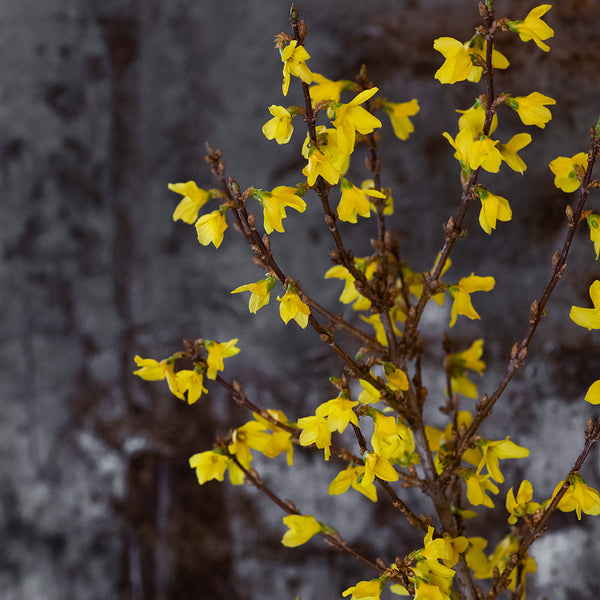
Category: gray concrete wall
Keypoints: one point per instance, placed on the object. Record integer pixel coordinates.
(102, 104)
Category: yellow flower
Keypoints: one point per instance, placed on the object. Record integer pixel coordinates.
(593, 222)
(250, 435)
(433, 580)
(150, 369)
(467, 359)
(209, 465)
(191, 382)
(377, 465)
(399, 113)
(370, 394)
(476, 558)
(193, 200)
(453, 547)
(274, 204)
(396, 378)
(533, 28)
(293, 58)
(565, 171)
(385, 427)
(365, 590)
(211, 227)
(216, 353)
(319, 164)
(593, 394)
(470, 358)
(441, 548)
(494, 450)
(326, 89)
(350, 118)
(301, 529)
(477, 487)
(280, 127)
(493, 208)
(354, 201)
(522, 504)
(484, 153)
(509, 151)
(579, 497)
(260, 292)
(461, 295)
(292, 307)
(532, 108)
(438, 576)
(349, 293)
(324, 158)
(280, 440)
(153, 370)
(474, 119)
(428, 591)
(460, 63)
(315, 430)
(474, 153)
(375, 321)
(255, 435)
(338, 412)
(392, 440)
(588, 317)
(462, 144)
(352, 476)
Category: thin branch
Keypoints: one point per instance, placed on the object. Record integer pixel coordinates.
(453, 228)
(418, 522)
(592, 437)
(396, 501)
(265, 256)
(338, 322)
(333, 539)
(519, 351)
(238, 394)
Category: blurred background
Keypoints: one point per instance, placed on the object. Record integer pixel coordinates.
(101, 105)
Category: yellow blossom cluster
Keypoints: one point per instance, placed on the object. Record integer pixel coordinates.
(486, 454)
(258, 434)
(328, 152)
(380, 395)
(188, 381)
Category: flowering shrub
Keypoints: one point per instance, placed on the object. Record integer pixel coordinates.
(381, 391)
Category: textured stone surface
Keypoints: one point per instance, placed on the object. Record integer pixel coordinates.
(103, 103)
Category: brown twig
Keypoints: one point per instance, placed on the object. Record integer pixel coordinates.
(591, 438)
(343, 256)
(453, 230)
(333, 538)
(265, 256)
(238, 394)
(396, 501)
(519, 351)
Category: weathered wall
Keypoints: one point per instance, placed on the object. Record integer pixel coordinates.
(102, 104)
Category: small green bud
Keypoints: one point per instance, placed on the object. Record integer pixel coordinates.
(512, 103)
